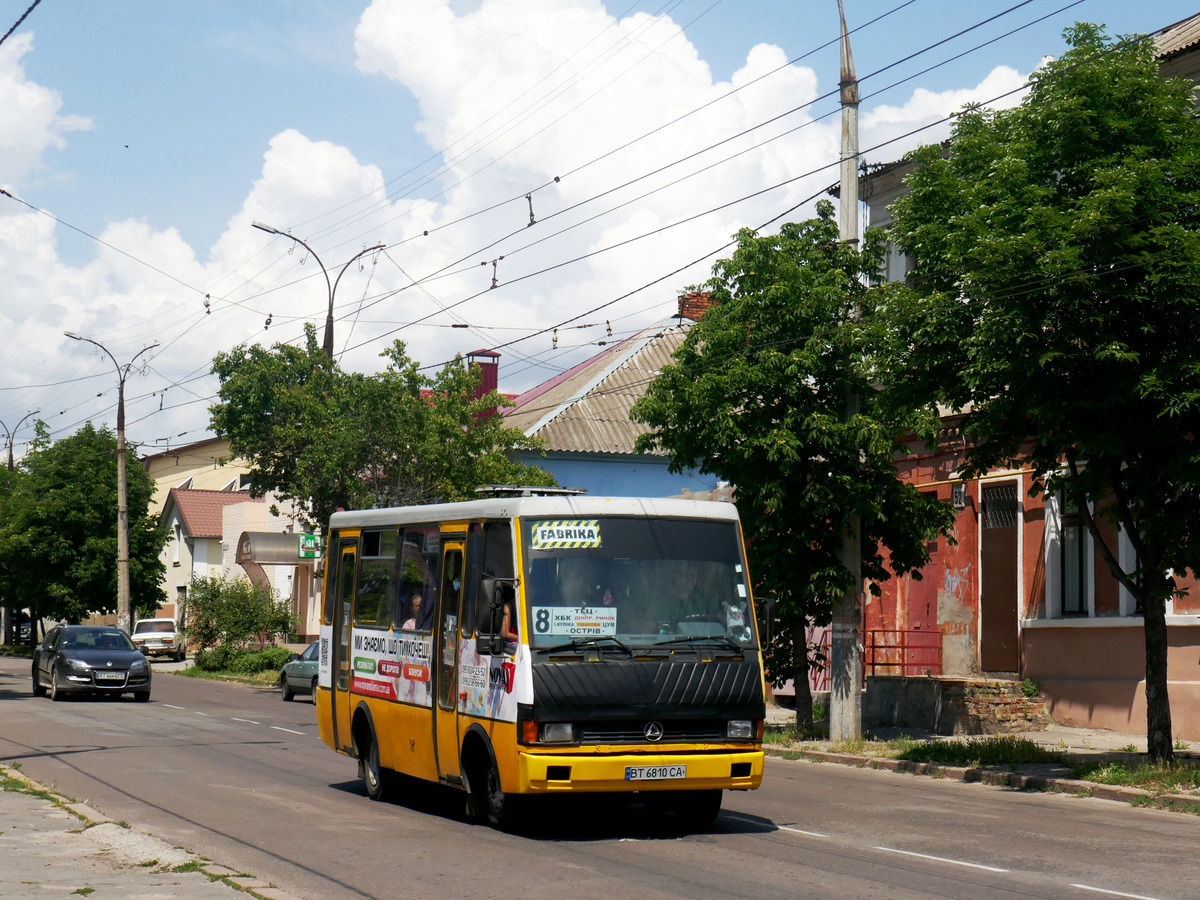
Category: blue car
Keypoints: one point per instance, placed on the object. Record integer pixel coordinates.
(299, 676)
(89, 659)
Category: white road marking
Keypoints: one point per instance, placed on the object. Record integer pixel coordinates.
(288, 730)
(248, 721)
(942, 859)
(173, 706)
(1088, 887)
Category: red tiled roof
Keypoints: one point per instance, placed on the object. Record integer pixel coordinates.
(201, 510)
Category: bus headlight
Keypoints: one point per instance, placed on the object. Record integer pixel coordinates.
(557, 733)
(739, 728)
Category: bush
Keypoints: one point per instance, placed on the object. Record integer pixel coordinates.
(251, 662)
(1030, 688)
(213, 660)
(234, 613)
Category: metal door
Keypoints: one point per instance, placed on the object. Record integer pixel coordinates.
(998, 579)
(343, 586)
(446, 641)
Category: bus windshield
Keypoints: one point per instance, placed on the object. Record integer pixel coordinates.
(642, 581)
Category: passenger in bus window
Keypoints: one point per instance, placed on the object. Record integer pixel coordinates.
(580, 583)
(414, 609)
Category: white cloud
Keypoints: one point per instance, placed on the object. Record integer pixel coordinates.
(29, 115)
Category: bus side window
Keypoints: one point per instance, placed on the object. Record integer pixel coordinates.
(376, 579)
(413, 609)
(496, 578)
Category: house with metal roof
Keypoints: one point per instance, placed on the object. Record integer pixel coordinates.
(582, 416)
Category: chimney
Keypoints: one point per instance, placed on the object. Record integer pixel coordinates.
(488, 362)
(693, 305)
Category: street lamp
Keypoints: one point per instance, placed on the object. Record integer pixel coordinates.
(124, 613)
(327, 343)
(10, 435)
(7, 613)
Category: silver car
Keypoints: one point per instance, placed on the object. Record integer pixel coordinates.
(89, 659)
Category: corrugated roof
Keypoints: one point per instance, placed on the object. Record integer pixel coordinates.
(586, 409)
(1174, 39)
(201, 510)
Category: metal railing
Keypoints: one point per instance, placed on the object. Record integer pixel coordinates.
(909, 653)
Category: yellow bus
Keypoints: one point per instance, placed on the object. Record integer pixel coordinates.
(542, 644)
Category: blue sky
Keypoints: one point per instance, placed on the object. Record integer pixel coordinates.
(164, 129)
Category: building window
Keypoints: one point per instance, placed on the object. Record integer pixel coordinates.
(1072, 560)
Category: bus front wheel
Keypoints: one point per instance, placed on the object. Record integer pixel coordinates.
(502, 810)
(697, 808)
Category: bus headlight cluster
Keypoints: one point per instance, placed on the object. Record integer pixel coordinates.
(557, 733)
(739, 728)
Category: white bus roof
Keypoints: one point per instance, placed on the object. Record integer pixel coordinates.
(505, 507)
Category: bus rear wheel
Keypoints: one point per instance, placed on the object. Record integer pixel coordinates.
(375, 777)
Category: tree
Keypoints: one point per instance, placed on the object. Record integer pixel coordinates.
(58, 542)
(756, 396)
(328, 439)
(234, 613)
(1058, 274)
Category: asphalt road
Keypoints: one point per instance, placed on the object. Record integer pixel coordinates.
(233, 773)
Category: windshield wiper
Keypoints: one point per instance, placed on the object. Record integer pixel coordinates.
(590, 640)
(697, 638)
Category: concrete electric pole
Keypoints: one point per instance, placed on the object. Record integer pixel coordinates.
(845, 696)
(124, 611)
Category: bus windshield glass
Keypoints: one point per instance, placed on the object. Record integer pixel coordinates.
(643, 581)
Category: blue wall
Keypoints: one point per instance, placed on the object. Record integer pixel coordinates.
(619, 475)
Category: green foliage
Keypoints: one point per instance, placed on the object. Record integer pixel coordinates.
(58, 534)
(242, 661)
(757, 396)
(225, 614)
(1030, 688)
(1163, 778)
(1057, 302)
(329, 439)
(988, 751)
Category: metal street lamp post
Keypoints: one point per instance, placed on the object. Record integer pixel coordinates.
(124, 613)
(9, 436)
(6, 612)
(331, 287)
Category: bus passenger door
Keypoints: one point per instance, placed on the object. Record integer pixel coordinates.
(446, 715)
(343, 586)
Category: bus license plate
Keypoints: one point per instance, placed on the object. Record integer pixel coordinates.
(654, 773)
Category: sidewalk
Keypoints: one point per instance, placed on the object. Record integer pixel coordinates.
(50, 845)
(1081, 744)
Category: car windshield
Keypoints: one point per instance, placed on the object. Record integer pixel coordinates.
(642, 581)
(97, 640)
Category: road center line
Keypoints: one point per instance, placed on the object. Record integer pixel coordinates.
(942, 859)
(1088, 887)
(173, 706)
(249, 721)
(288, 730)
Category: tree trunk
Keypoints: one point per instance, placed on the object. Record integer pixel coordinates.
(1159, 741)
(804, 719)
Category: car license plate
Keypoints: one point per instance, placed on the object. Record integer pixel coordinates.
(654, 773)
(110, 676)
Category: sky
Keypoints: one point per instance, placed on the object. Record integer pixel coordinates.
(547, 175)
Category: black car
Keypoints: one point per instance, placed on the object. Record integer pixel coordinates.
(96, 659)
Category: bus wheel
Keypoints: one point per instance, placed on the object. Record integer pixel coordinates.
(502, 810)
(374, 775)
(697, 808)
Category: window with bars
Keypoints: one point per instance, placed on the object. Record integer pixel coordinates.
(1073, 540)
(1000, 506)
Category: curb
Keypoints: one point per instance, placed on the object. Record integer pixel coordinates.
(992, 777)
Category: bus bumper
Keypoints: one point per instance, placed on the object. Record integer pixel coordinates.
(546, 773)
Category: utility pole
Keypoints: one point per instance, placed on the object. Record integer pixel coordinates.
(7, 611)
(845, 696)
(124, 611)
(330, 287)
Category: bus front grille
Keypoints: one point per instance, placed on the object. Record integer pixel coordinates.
(634, 732)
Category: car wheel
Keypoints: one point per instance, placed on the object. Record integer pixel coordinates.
(39, 690)
(181, 656)
(141, 696)
(55, 693)
(502, 810)
(313, 691)
(376, 777)
(285, 688)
